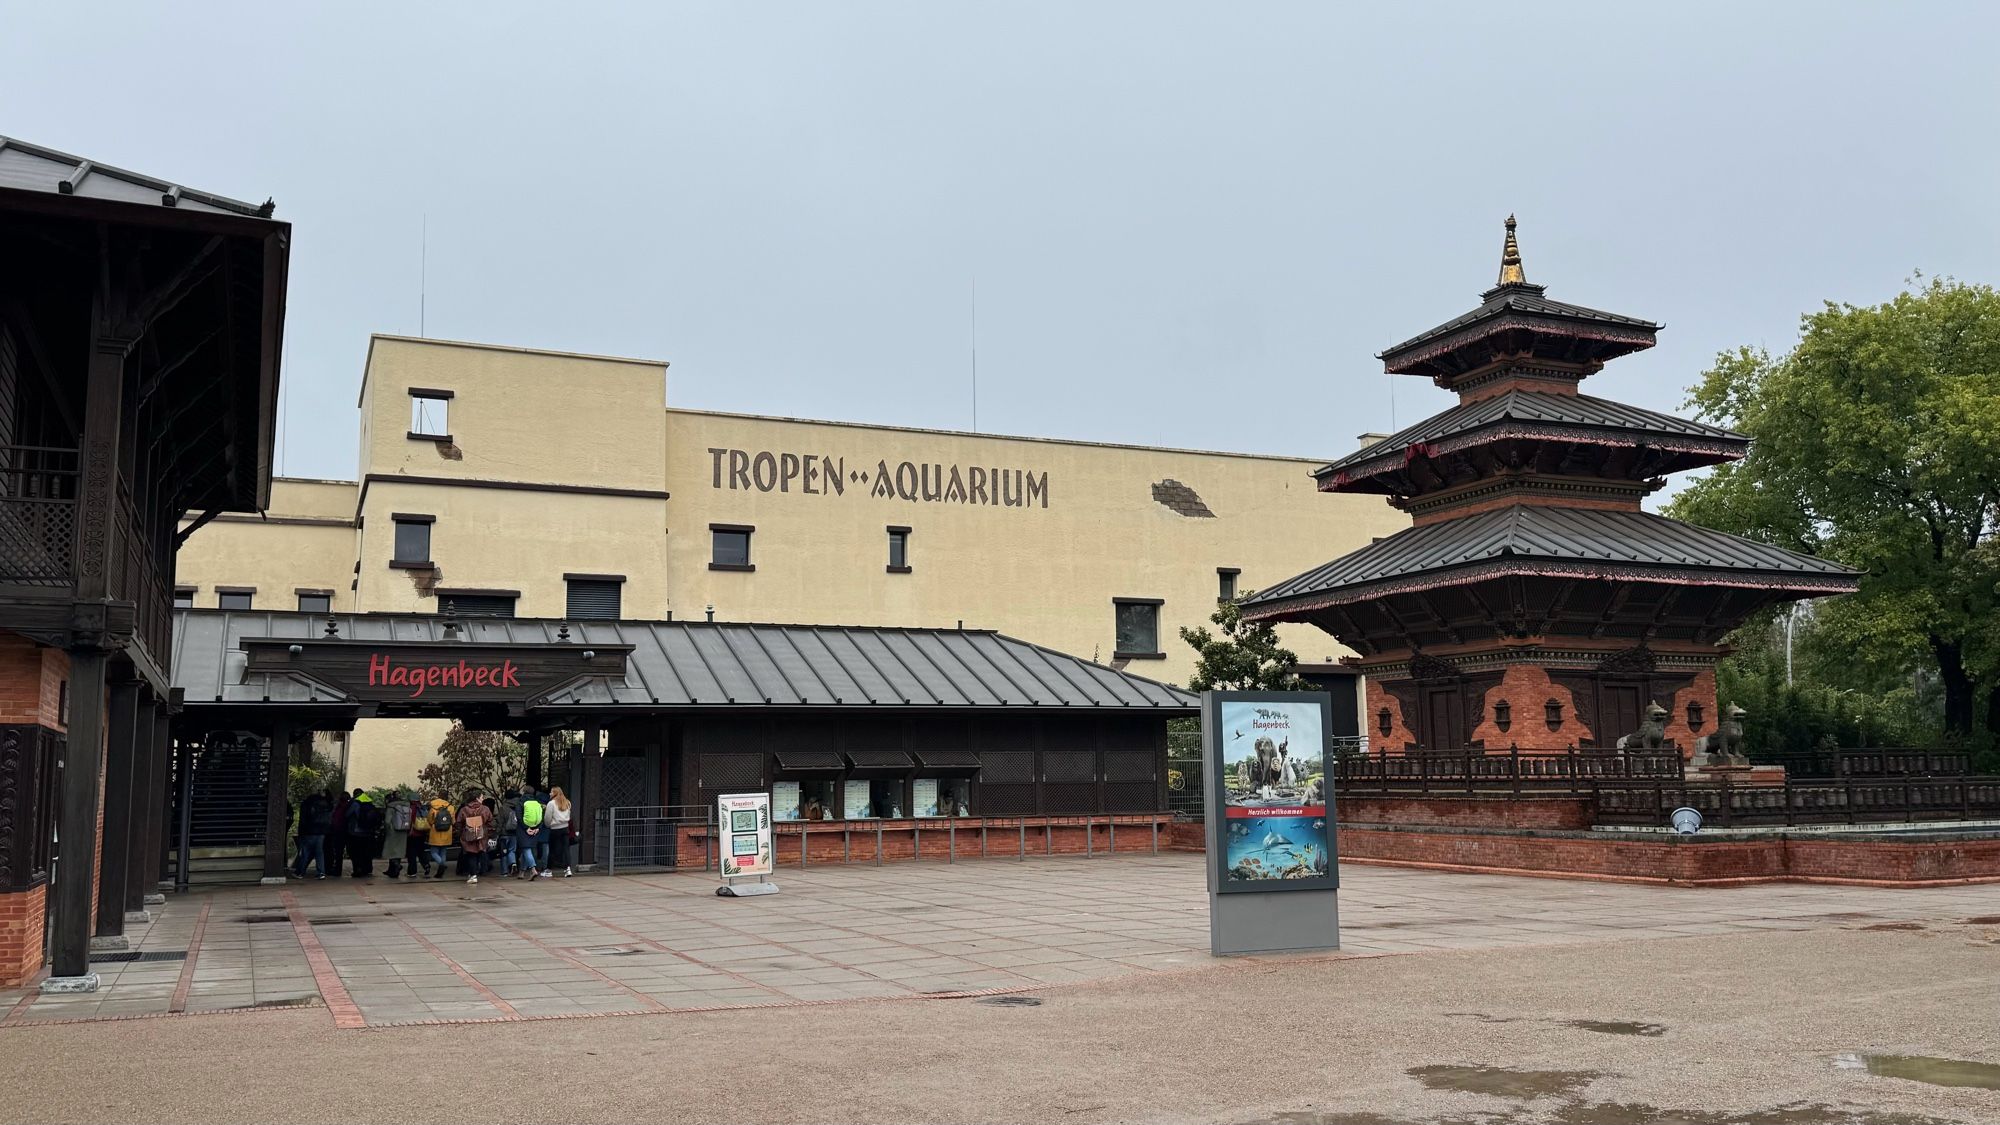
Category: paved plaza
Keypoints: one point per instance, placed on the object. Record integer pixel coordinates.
(381, 953)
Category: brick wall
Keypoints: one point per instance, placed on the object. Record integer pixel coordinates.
(1467, 812)
(1701, 691)
(21, 919)
(1399, 734)
(1527, 690)
(31, 682)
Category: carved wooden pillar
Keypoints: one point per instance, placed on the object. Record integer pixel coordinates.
(277, 790)
(122, 757)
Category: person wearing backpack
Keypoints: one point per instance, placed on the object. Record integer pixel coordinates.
(406, 831)
(474, 825)
(437, 825)
(336, 831)
(364, 833)
(533, 837)
(506, 832)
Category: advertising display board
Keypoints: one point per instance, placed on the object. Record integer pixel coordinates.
(1273, 875)
(743, 840)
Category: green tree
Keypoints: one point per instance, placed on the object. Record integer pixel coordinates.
(1244, 656)
(486, 760)
(1876, 442)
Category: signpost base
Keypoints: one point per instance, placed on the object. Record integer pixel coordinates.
(1273, 923)
(746, 890)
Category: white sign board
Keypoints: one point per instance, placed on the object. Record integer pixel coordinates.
(744, 834)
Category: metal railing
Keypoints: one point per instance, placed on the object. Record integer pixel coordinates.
(649, 837)
(1850, 800)
(1491, 771)
(1882, 762)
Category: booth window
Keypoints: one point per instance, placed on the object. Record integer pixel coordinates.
(234, 597)
(805, 800)
(315, 601)
(899, 550)
(941, 796)
(413, 540)
(428, 414)
(1225, 583)
(594, 597)
(1137, 622)
(730, 546)
(184, 597)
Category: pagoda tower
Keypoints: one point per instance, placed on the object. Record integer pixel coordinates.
(1532, 603)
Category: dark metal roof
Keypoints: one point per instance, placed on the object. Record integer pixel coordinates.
(1524, 300)
(29, 167)
(684, 664)
(1563, 410)
(1534, 539)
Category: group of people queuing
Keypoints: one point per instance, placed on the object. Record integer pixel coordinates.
(523, 833)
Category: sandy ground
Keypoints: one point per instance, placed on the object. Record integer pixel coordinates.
(1752, 1026)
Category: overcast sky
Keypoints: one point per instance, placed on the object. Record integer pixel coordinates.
(1190, 225)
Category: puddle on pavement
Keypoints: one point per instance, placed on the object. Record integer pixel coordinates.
(1895, 926)
(1925, 1068)
(1011, 1001)
(1503, 1082)
(1619, 1027)
(1984, 920)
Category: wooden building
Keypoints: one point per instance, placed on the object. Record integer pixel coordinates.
(1533, 604)
(140, 327)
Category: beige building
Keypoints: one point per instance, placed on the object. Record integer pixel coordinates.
(499, 480)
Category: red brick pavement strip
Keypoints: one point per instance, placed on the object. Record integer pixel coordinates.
(21, 1005)
(186, 981)
(244, 1010)
(507, 1011)
(345, 1013)
(552, 951)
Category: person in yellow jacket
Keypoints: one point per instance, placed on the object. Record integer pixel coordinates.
(438, 832)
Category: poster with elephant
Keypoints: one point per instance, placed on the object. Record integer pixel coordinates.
(1272, 786)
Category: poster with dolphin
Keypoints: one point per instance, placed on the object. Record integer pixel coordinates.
(1271, 789)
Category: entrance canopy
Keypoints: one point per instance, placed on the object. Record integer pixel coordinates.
(329, 670)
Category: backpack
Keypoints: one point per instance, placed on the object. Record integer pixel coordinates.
(510, 817)
(364, 819)
(475, 825)
(440, 818)
(531, 813)
(399, 816)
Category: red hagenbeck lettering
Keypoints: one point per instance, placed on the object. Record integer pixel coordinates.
(384, 672)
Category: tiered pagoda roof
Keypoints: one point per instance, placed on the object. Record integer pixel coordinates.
(1528, 479)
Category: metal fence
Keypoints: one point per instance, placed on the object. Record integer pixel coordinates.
(1851, 800)
(1884, 762)
(636, 837)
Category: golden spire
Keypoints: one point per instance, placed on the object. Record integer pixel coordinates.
(1510, 259)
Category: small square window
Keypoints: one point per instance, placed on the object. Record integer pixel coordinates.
(315, 603)
(730, 547)
(413, 540)
(476, 604)
(1226, 583)
(899, 550)
(184, 597)
(429, 414)
(234, 599)
(1137, 622)
(594, 599)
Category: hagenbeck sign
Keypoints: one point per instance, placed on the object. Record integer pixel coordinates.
(439, 672)
(915, 482)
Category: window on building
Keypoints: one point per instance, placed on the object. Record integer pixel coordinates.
(594, 596)
(184, 597)
(941, 796)
(315, 601)
(1137, 622)
(429, 413)
(899, 550)
(234, 597)
(731, 547)
(413, 540)
(477, 603)
(1225, 580)
(805, 800)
